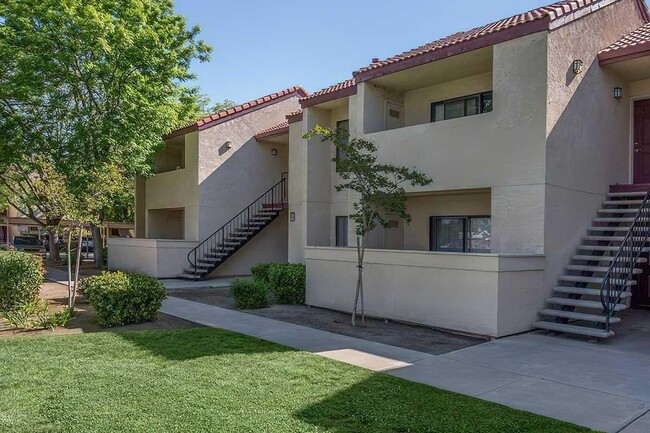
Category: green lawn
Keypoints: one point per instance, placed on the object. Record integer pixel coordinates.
(207, 380)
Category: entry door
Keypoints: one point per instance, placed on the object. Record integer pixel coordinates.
(642, 141)
(394, 234)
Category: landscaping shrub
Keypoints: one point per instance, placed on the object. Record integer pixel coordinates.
(122, 298)
(250, 294)
(21, 276)
(261, 272)
(287, 283)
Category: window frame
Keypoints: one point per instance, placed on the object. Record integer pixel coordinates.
(479, 97)
(433, 235)
(338, 242)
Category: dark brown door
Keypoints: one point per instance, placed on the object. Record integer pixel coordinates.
(641, 290)
(642, 141)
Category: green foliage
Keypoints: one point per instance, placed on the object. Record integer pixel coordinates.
(35, 315)
(261, 272)
(287, 282)
(122, 298)
(249, 294)
(21, 276)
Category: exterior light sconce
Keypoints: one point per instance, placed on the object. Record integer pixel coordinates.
(274, 152)
(577, 66)
(618, 93)
(292, 217)
(227, 145)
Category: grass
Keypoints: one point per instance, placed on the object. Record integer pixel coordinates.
(200, 380)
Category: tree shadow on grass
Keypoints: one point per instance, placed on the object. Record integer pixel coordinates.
(187, 344)
(383, 403)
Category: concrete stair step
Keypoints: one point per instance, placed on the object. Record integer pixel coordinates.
(612, 238)
(623, 202)
(627, 194)
(601, 269)
(199, 271)
(583, 291)
(573, 329)
(578, 316)
(587, 258)
(607, 248)
(210, 260)
(186, 276)
(619, 211)
(593, 305)
(594, 280)
(623, 229)
(613, 220)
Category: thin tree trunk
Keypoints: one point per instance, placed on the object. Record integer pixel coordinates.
(73, 298)
(69, 253)
(98, 246)
(359, 277)
(363, 256)
(52, 236)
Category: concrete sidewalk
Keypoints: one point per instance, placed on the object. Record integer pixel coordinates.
(579, 382)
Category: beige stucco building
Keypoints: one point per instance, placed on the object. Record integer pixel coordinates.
(536, 132)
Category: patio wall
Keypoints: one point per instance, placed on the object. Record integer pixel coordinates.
(159, 258)
(484, 294)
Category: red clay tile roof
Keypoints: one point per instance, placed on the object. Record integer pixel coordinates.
(631, 45)
(274, 131)
(296, 116)
(339, 90)
(518, 25)
(238, 110)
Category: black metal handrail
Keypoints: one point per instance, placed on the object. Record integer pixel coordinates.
(217, 244)
(615, 281)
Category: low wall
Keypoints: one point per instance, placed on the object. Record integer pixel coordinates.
(485, 294)
(159, 258)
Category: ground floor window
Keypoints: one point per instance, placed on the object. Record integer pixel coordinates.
(462, 234)
(341, 231)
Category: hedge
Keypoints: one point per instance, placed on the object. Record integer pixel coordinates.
(287, 283)
(249, 294)
(21, 276)
(121, 298)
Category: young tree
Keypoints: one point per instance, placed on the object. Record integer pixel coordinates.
(379, 188)
(90, 85)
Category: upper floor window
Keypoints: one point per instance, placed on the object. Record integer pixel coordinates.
(462, 107)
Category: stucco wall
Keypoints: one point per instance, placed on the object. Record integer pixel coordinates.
(640, 88)
(460, 292)
(587, 129)
(155, 257)
(178, 189)
(417, 103)
(297, 230)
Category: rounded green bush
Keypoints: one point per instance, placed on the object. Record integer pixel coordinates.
(249, 294)
(121, 298)
(21, 276)
(287, 283)
(261, 272)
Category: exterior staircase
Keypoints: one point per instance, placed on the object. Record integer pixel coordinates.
(597, 282)
(215, 250)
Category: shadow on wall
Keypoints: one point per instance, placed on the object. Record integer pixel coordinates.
(187, 344)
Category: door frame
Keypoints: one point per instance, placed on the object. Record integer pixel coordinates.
(631, 135)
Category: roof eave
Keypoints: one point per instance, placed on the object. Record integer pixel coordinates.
(272, 134)
(456, 49)
(327, 97)
(293, 118)
(182, 131)
(623, 54)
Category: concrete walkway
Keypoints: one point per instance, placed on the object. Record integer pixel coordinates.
(597, 386)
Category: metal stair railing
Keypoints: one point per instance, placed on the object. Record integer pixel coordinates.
(615, 281)
(215, 244)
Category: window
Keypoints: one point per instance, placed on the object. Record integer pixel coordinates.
(462, 107)
(343, 126)
(341, 231)
(462, 234)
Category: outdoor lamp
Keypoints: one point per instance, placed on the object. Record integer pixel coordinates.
(577, 66)
(274, 152)
(618, 93)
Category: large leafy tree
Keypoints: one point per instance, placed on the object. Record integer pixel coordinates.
(88, 86)
(378, 187)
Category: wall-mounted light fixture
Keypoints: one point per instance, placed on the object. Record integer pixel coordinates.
(292, 217)
(577, 66)
(274, 152)
(227, 145)
(618, 93)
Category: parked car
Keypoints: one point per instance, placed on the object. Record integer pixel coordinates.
(60, 243)
(29, 244)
